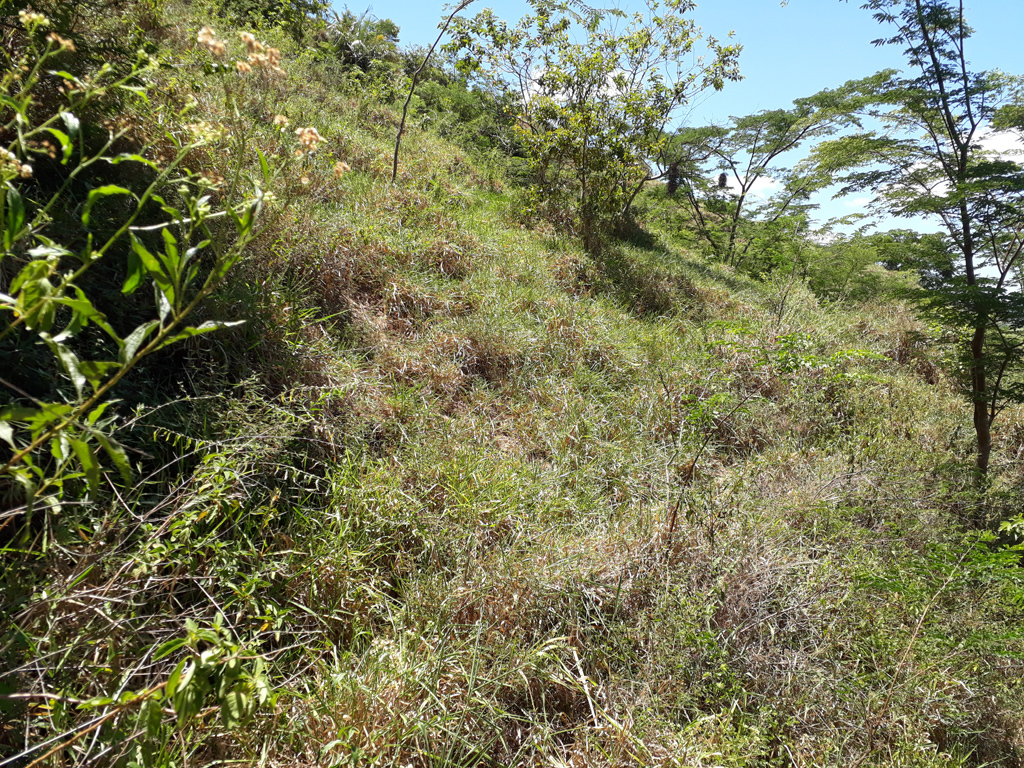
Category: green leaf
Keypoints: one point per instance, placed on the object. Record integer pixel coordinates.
(36, 305)
(187, 703)
(137, 90)
(134, 340)
(151, 717)
(83, 311)
(68, 360)
(169, 209)
(175, 679)
(95, 371)
(87, 458)
(264, 166)
(153, 266)
(136, 271)
(49, 253)
(128, 157)
(15, 217)
(116, 453)
(7, 433)
(232, 668)
(71, 122)
(188, 674)
(207, 327)
(190, 692)
(163, 302)
(235, 708)
(210, 658)
(65, 142)
(96, 413)
(36, 270)
(171, 258)
(262, 688)
(64, 74)
(31, 416)
(166, 649)
(98, 194)
(59, 447)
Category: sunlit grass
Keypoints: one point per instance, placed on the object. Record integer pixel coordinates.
(486, 499)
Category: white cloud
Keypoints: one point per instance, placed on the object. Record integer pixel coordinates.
(765, 184)
(762, 188)
(858, 202)
(1007, 145)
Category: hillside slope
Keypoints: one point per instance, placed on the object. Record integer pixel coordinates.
(467, 495)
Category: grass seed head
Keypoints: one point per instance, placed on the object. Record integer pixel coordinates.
(62, 42)
(208, 39)
(309, 138)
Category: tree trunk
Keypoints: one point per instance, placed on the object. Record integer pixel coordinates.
(979, 393)
(631, 196)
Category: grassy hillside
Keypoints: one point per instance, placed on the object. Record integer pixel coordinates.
(459, 493)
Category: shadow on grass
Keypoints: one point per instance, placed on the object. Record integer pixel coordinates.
(652, 279)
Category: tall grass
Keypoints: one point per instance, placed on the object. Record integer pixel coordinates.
(476, 497)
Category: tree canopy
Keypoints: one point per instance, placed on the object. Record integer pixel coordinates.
(929, 157)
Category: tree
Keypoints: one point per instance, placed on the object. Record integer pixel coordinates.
(595, 91)
(929, 158)
(361, 40)
(929, 255)
(293, 16)
(745, 152)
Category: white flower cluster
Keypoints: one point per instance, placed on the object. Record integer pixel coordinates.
(30, 19)
(9, 162)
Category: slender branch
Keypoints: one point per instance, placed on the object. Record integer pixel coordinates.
(415, 77)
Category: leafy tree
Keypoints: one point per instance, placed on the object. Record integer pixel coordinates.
(929, 255)
(929, 158)
(294, 16)
(595, 91)
(853, 268)
(361, 40)
(743, 155)
(471, 116)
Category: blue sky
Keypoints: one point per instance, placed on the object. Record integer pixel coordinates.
(788, 51)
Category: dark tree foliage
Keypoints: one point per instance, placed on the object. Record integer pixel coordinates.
(932, 256)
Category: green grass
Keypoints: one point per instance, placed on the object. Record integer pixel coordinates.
(432, 482)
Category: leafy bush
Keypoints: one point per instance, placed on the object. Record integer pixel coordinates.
(68, 229)
(592, 112)
(301, 19)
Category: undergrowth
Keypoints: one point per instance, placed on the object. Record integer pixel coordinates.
(463, 494)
